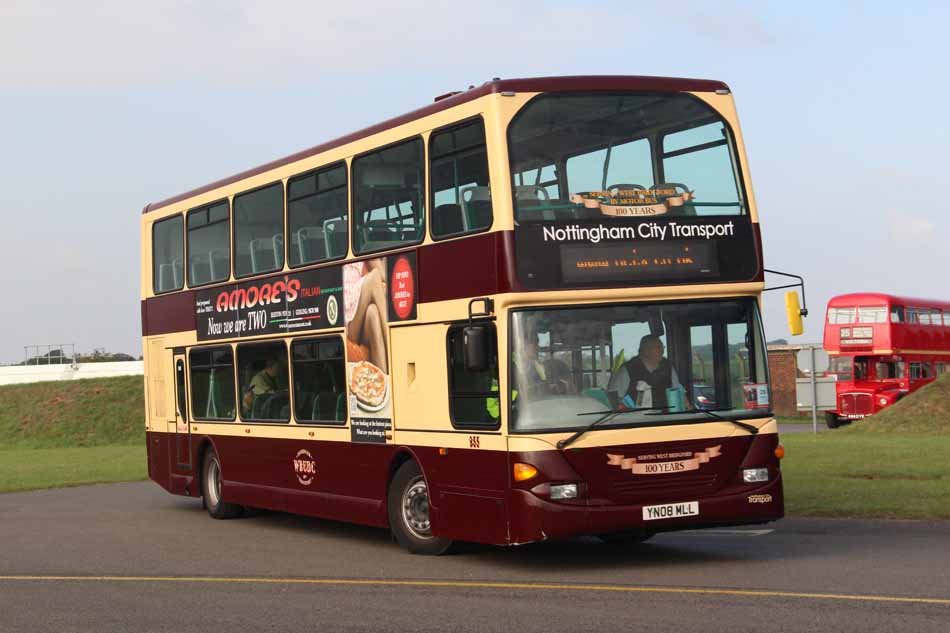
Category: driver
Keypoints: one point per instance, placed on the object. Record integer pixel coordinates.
(650, 375)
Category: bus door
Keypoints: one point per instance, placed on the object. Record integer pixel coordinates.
(182, 449)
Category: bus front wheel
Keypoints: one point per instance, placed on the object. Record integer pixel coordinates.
(832, 420)
(408, 506)
(211, 489)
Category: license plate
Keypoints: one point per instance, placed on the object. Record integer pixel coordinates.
(671, 511)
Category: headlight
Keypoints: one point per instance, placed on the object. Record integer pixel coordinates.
(563, 491)
(755, 475)
(882, 401)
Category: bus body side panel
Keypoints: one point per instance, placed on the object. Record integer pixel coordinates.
(158, 458)
(467, 490)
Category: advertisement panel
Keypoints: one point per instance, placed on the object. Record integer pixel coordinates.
(376, 292)
(296, 302)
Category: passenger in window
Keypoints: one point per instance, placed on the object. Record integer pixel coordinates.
(650, 375)
(264, 382)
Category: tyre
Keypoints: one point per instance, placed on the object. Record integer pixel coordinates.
(408, 506)
(831, 420)
(211, 489)
(629, 537)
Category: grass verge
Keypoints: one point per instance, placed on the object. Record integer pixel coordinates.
(40, 468)
(868, 475)
(65, 414)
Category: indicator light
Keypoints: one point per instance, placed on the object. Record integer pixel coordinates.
(524, 472)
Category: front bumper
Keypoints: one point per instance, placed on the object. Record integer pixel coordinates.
(535, 519)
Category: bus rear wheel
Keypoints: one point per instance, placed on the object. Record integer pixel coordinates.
(211, 489)
(408, 506)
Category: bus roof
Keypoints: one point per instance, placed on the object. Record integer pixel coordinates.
(879, 298)
(530, 84)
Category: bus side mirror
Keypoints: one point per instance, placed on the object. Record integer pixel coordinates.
(794, 313)
(476, 347)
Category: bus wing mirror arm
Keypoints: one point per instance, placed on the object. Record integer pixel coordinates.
(793, 311)
(801, 284)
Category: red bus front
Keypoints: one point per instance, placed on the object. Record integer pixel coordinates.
(882, 347)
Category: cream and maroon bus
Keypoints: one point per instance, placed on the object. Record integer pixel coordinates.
(529, 310)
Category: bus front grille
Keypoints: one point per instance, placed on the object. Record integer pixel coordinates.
(655, 488)
(856, 404)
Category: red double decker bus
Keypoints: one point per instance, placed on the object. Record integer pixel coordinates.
(883, 347)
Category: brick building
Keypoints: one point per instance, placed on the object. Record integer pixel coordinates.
(783, 367)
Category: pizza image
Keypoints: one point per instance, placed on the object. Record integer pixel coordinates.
(368, 384)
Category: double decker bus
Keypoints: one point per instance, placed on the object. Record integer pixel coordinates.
(528, 310)
(883, 347)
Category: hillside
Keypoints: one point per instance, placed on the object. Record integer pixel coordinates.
(73, 413)
(924, 411)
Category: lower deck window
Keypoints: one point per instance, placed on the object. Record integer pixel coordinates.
(212, 383)
(319, 381)
(262, 368)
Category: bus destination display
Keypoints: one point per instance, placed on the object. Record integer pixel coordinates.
(585, 263)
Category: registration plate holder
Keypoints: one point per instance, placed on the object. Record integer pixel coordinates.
(671, 511)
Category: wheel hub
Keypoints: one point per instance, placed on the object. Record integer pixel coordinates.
(415, 509)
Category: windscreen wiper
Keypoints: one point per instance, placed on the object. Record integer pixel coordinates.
(606, 416)
(712, 413)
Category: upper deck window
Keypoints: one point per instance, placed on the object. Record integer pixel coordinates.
(389, 197)
(458, 167)
(168, 254)
(872, 315)
(317, 216)
(610, 152)
(209, 244)
(259, 231)
(839, 316)
(897, 314)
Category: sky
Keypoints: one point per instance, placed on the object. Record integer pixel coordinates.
(107, 105)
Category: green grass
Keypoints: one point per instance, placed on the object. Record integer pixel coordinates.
(40, 468)
(70, 433)
(73, 413)
(926, 411)
(868, 475)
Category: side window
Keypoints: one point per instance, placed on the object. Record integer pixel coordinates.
(168, 255)
(897, 314)
(915, 371)
(317, 216)
(262, 376)
(319, 377)
(458, 168)
(700, 160)
(473, 396)
(389, 197)
(209, 244)
(259, 231)
(212, 383)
